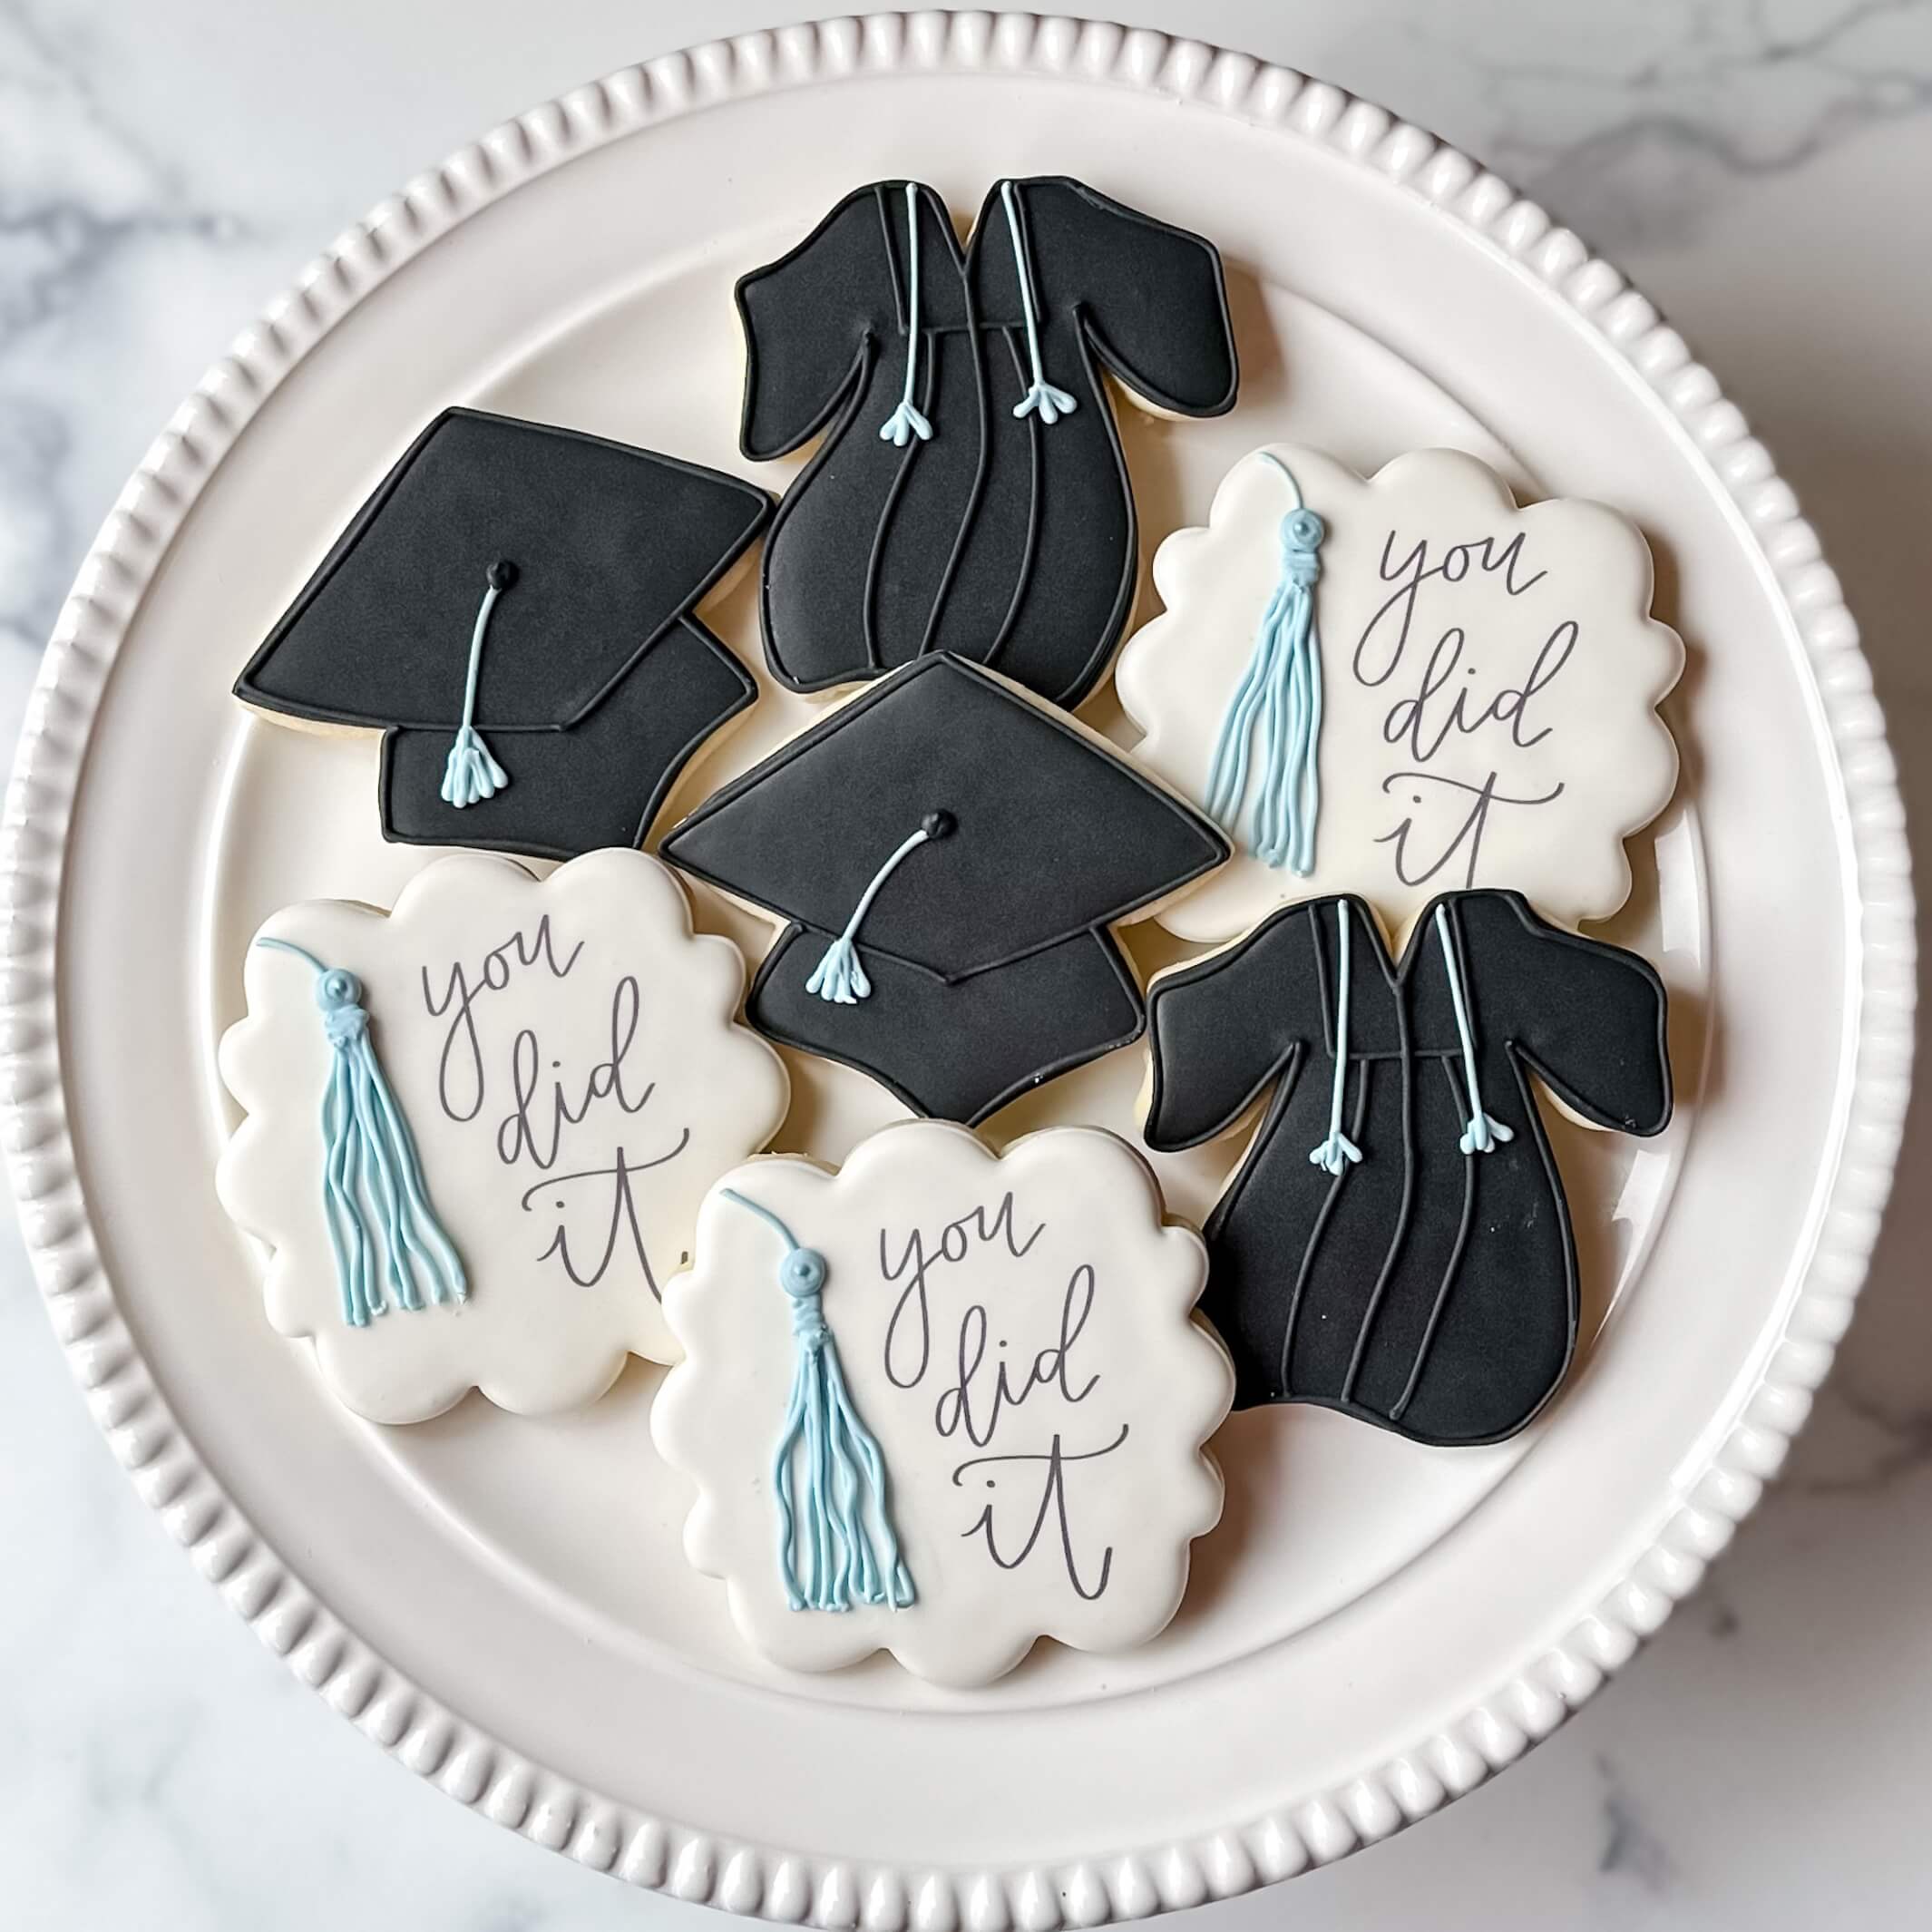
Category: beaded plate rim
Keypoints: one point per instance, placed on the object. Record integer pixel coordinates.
(685, 1860)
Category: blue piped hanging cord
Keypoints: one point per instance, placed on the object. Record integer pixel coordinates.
(905, 422)
(1481, 1135)
(1281, 693)
(469, 774)
(1052, 404)
(1338, 1150)
(372, 1181)
(830, 1527)
(839, 977)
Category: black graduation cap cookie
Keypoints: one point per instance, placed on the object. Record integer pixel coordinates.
(949, 855)
(1396, 1243)
(512, 610)
(968, 493)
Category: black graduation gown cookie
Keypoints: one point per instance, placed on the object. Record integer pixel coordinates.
(970, 493)
(512, 609)
(1391, 1246)
(949, 855)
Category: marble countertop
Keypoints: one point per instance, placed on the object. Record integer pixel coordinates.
(1759, 167)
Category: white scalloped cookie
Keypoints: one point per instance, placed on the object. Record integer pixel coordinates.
(1488, 682)
(944, 1402)
(566, 1059)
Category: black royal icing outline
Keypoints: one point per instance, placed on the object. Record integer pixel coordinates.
(835, 418)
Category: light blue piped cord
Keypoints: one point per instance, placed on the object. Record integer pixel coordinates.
(470, 773)
(1281, 690)
(905, 422)
(1052, 404)
(829, 1529)
(372, 1181)
(839, 977)
(1481, 1135)
(1338, 1150)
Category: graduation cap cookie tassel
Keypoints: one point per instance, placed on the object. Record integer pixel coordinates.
(1280, 692)
(1052, 404)
(471, 774)
(839, 977)
(372, 1182)
(1338, 1150)
(1482, 1134)
(830, 1524)
(905, 422)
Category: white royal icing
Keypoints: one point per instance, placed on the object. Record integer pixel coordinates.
(1050, 1266)
(531, 1031)
(1472, 654)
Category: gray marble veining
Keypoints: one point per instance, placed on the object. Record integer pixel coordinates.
(1761, 166)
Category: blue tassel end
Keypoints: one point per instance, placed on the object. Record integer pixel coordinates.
(836, 1546)
(839, 978)
(469, 774)
(904, 423)
(1483, 1134)
(374, 1198)
(1337, 1152)
(1052, 404)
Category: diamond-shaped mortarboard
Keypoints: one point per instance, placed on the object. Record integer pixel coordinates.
(512, 610)
(950, 853)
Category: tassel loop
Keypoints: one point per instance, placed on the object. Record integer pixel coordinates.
(840, 978)
(1051, 404)
(469, 774)
(1279, 699)
(373, 1193)
(1480, 1133)
(906, 422)
(836, 1544)
(1338, 1152)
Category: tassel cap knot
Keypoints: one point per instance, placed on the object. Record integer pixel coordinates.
(338, 987)
(801, 1274)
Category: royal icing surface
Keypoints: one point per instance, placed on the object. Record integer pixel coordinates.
(1396, 1243)
(1014, 1336)
(567, 1060)
(1444, 691)
(968, 493)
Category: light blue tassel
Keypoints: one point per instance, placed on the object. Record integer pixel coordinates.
(470, 773)
(1481, 1135)
(372, 1181)
(905, 422)
(1281, 693)
(839, 978)
(836, 1544)
(1052, 404)
(1338, 1150)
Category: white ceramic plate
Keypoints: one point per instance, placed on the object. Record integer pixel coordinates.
(502, 1602)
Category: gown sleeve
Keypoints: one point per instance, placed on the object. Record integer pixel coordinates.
(1222, 1029)
(810, 320)
(1587, 1018)
(1152, 297)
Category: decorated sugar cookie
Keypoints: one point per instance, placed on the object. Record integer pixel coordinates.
(478, 1127)
(1396, 1243)
(968, 492)
(944, 1402)
(1404, 687)
(949, 857)
(514, 608)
